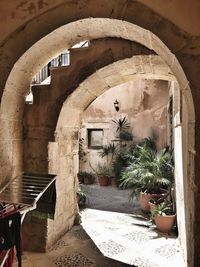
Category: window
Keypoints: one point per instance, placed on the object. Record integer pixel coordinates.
(95, 138)
(81, 44)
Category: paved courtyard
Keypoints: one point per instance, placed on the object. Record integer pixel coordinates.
(113, 233)
(122, 232)
(110, 199)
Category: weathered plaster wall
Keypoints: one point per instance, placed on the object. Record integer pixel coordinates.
(143, 102)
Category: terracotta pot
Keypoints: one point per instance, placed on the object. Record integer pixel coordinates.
(113, 181)
(144, 199)
(87, 180)
(152, 206)
(103, 180)
(164, 223)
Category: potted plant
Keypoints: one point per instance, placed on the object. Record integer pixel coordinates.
(86, 177)
(81, 197)
(149, 175)
(89, 178)
(124, 137)
(103, 173)
(122, 160)
(123, 131)
(153, 202)
(109, 151)
(163, 216)
(113, 181)
(80, 176)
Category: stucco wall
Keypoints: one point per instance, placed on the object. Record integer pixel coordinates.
(143, 102)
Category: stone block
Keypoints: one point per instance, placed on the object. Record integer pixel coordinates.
(69, 115)
(34, 239)
(95, 84)
(10, 129)
(15, 103)
(64, 148)
(81, 98)
(65, 165)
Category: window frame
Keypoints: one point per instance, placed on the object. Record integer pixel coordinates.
(89, 133)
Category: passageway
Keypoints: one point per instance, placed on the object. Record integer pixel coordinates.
(165, 50)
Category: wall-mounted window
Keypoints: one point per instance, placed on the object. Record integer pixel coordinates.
(95, 138)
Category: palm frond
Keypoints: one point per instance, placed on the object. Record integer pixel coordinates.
(148, 171)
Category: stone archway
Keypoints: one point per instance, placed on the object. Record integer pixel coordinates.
(137, 67)
(39, 54)
(64, 37)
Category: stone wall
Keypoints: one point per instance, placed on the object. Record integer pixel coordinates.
(41, 117)
(28, 21)
(142, 102)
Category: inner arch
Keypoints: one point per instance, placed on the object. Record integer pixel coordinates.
(51, 45)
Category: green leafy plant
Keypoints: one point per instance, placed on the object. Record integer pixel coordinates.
(149, 171)
(82, 152)
(163, 209)
(123, 151)
(149, 142)
(122, 159)
(103, 170)
(123, 129)
(89, 175)
(163, 216)
(108, 150)
(81, 197)
(122, 124)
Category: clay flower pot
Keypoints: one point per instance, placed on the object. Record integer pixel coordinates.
(144, 200)
(152, 206)
(87, 181)
(103, 180)
(113, 181)
(164, 223)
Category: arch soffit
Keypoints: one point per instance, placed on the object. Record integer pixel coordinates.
(120, 72)
(63, 38)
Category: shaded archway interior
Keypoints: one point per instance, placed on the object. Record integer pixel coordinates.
(48, 99)
(19, 80)
(108, 77)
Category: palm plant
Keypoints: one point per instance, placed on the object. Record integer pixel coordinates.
(122, 159)
(149, 171)
(123, 129)
(122, 124)
(106, 151)
(163, 209)
(163, 216)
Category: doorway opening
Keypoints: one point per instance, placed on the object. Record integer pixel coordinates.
(145, 108)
